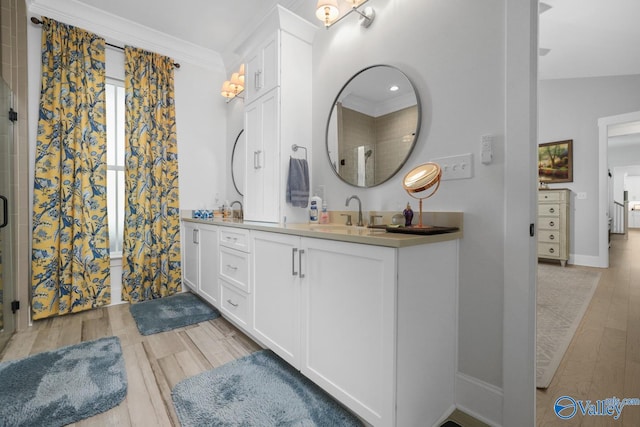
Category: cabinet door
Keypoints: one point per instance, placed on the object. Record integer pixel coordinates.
(276, 290)
(191, 255)
(349, 323)
(262, 69)
(262, 169)
(209, 288)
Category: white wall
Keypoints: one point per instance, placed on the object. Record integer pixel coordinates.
(570, 109)
(454, 52)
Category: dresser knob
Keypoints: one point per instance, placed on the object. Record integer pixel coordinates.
(551, 223)
(551, 250)
(551, 210)
(551, 237)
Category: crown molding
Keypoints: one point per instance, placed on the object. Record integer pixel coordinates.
(118, 30)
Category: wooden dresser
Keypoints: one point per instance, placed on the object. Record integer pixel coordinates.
(553, 224)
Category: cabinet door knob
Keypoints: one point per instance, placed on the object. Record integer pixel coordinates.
(551, 237)
(232, 303)
(551, 250)
(551, 210)
(551, 223)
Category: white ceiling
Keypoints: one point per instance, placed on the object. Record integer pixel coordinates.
(589, 38)
(586, 38)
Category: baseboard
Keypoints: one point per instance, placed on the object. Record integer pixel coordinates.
(586, 260)
(479, 399)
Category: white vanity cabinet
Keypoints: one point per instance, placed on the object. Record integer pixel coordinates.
(261, 73)
(374, 326)
(262, 170)
(277, 111)
(200, 260)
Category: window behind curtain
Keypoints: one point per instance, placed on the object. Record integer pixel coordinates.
(115, 163)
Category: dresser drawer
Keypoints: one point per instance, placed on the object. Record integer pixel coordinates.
(235, 303)
(550, 196)
(548, 236)
(549, 209)
(547, 223)
(236, 238)
(548, 250)
(234, 267)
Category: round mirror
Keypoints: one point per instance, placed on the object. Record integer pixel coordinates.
(373, 126)
(237, 163)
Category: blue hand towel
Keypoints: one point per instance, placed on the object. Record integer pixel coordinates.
(298, 183)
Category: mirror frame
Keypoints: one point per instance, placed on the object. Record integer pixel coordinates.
(415, 137)
(233, 154)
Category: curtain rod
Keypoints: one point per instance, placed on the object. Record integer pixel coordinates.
(39, 22)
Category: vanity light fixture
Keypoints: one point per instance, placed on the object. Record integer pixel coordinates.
(329, 12)
(234, 86)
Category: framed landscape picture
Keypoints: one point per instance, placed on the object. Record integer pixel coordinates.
(555, 161)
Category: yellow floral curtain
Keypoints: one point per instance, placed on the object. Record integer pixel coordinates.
(151, 247)
(70, 254)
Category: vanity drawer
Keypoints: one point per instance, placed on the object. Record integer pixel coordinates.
(548, 250)
(234, 267)
(549, 209)
(236, 238)
(234, 303)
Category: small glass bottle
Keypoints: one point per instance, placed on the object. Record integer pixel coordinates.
(408, 215)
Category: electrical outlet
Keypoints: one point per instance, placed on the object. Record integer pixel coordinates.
(456, 167)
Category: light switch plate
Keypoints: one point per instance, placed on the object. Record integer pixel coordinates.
(456, 167)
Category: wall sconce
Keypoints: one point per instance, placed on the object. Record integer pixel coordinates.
(234, 86)
(329, 13)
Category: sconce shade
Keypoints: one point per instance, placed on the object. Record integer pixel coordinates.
(227, 91)
(327, 11)
(236, 84)
(241, 70)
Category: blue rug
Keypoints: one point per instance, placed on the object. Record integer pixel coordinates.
(176, 311)
(256, 390)
(60, 387)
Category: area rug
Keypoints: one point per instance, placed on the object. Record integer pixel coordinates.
(256, 390)
(60, 387)
(563, 295)
(176, 311)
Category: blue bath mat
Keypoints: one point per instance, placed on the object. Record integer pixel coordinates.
(176, 311)
(256, 390)
(60, 387)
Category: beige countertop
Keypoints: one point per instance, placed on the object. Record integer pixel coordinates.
(352, 234)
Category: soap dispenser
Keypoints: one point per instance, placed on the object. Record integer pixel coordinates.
(324, 215)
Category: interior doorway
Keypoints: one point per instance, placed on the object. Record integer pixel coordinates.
(608, 126)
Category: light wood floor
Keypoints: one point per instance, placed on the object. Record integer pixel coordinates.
(154, 363)
(603, 359)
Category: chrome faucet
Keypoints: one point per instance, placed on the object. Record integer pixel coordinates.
(241, 215)
(360, 222)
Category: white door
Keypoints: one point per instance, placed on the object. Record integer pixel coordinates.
(348, 324)
(276, 278)
(191, 255)
(262, 169)
(209, 288)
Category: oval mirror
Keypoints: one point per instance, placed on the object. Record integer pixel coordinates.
(237, 163)
(373, 126)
